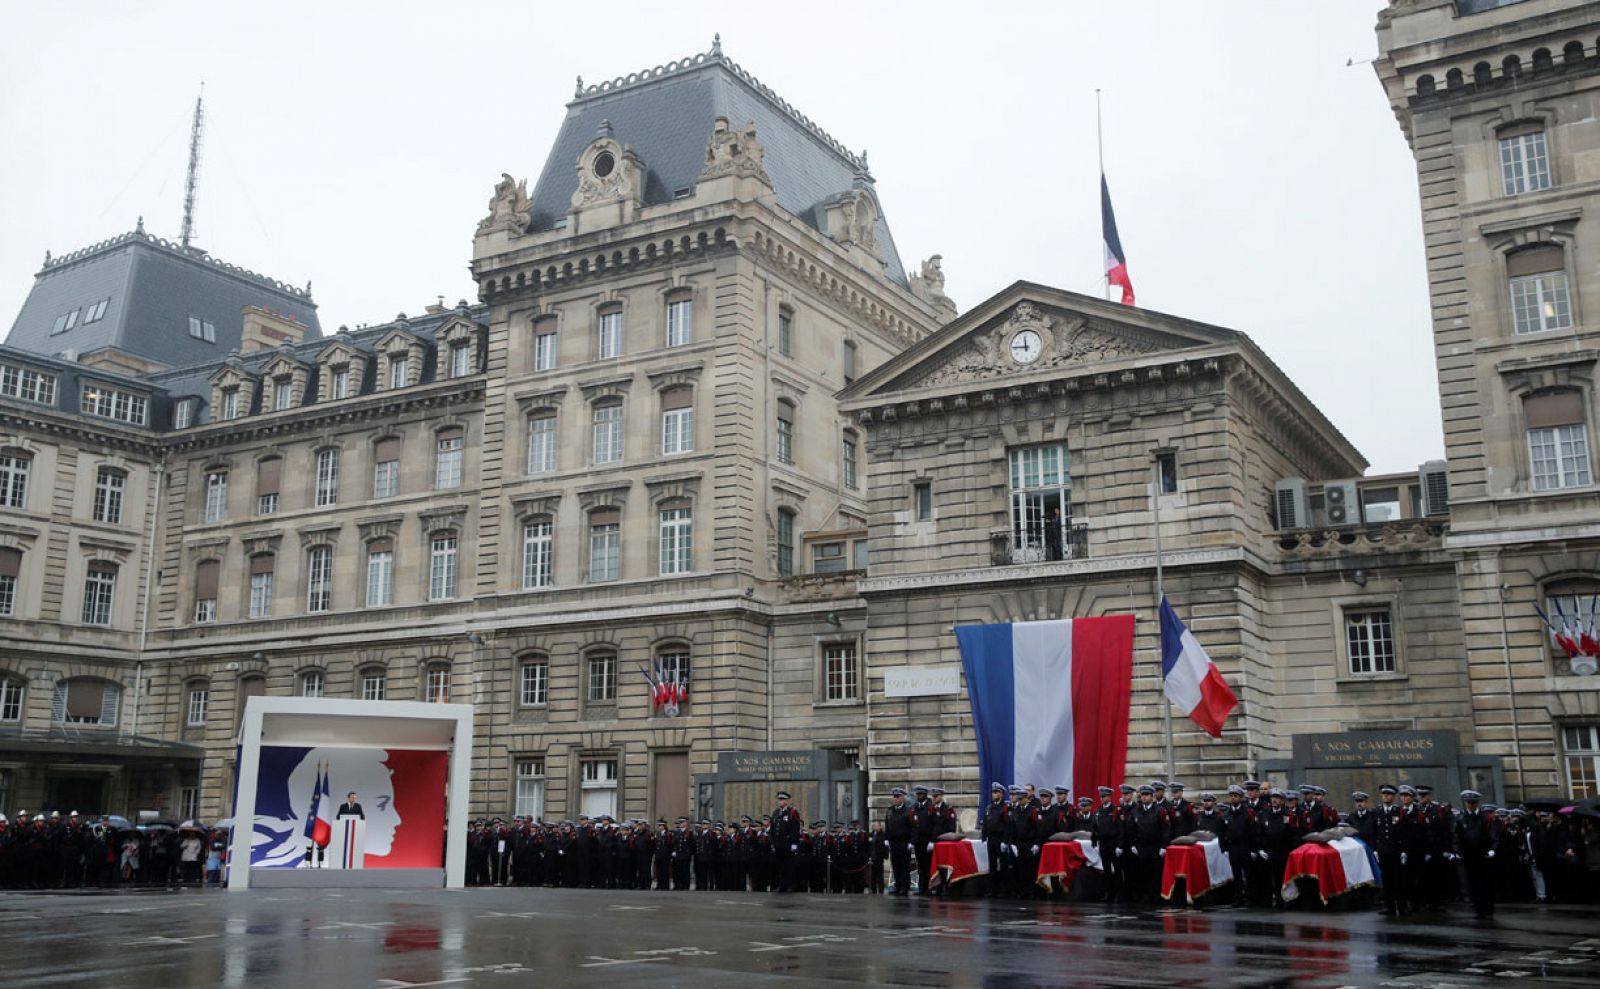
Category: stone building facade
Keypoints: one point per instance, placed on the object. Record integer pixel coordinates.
(1500, 103)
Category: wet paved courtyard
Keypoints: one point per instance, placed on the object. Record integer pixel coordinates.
(540, 937)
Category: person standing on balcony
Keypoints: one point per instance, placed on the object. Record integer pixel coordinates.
(1052, 535)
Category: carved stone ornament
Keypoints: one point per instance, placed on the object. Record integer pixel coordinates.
(929, 286)
(508, 207)
(861, 222)
(734, 152)
(1074, 342)
(607, 173)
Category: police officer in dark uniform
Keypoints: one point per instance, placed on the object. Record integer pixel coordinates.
(1180, 810)
(900, 831)
(993, 828)
(1476, 833)
(785, 841)
(663, 855)
(1389, 845)
(1211, 818)
(924, 839)
(1279, 830)
(1149, 832)
(1238, 837)
(1107, 831)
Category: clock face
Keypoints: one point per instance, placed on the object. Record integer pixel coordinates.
(1026, 347)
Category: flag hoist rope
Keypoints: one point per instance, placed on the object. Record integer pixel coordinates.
(1161, 680)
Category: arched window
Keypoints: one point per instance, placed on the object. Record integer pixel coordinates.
(672, 667)
(99, 593)
(600, 677)
(1558, 440)
(1482, 74)
(15, 466)
(312, 683)
(109, 483)
(373, 684)
(1542, 60)
(436, 683)
(10, 573)
(1571, 604)
(86, 701)
(13, 690)
(1425, 86)
(1537, 279)
(1572, 54)
(677, 420)
(207, 574)
(1454, 79)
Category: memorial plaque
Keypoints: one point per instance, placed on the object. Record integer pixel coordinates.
(1363, 760)
(921, 681)
(822, 784)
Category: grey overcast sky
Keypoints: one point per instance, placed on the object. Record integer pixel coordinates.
(1260, 183)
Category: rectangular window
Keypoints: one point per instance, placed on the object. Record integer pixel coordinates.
(679, 314)
(216, 495)
(283, 394)
(828, 557)
(851, 480)
(108, 487)
(442, 569)
(847, 361)
(14, 470)
(385, 478)
(858, 554)
(535, 684)
(340, 387)
(602, 678)
(10, 700)
(922, 500)
(1166, 472)
(196, 713)
(311, 683)
(202, 329)
(399, 371)
(1369, 636)
(598, 786)
(27, 384)
(1041, 502)
(674, 667)
(785, 333)
(1524, 163)
(536, 554)
(541, 444)
(677, 536)
(677, 431)
(96, 312)
(841, 678)
(86, 702)
(99, 590)
(380, 574)
(785, 543)
(607, 434)
(205, 611)
(327, 492)
(544, 352)
(436, 688)
(113, 403)
(608, 342)
(785, 451)
(460, 360)
(1540, 302)
(447, 462)
(530, 789)
(183, 413)
(319, 578)
(373, 686)
(1380, 504)
(604, 546)
(269, 473)
(1559, 457)
(206, 575)
(230, 404)
(261, 568)
(1580, 745)
(8, 593)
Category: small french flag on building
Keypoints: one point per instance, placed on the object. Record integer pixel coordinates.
(1192, 682)
(1116, 261)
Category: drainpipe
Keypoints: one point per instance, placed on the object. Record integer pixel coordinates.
(144, 604)
(766, 456)
(1503, 590)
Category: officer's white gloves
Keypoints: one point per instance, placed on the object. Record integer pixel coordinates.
(1162, 853)
(1402, 858)
(930, 846)
(1491, 853)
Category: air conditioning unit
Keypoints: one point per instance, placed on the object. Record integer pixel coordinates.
(1289, 500)
(1435, 484)
(1341, 503)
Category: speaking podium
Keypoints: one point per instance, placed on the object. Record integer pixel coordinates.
(347, 848)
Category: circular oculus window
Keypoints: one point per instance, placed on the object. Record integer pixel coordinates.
(604, 162)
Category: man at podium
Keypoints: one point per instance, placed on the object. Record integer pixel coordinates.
(351, 807)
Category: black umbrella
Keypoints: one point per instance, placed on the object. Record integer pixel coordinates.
(1587, 808)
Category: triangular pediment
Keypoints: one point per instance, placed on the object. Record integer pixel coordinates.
(1030, 331)
(339, 352)
(396, 340)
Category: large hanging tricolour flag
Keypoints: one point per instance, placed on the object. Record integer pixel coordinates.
(1050, 700)
(322, 829)
(1192, 682)
(1116, 261)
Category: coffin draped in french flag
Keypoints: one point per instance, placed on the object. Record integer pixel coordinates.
(1050, 699)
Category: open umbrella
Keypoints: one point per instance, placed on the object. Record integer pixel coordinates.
(1587, 808)
(226, 824)
(116, 823)
(191, 825)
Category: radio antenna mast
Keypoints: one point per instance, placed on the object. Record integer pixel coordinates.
(193, 176)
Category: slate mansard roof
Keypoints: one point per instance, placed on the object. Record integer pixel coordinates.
(665, 115)
(150, 287)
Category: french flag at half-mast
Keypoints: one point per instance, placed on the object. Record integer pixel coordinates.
(1192, 681)
(1116, 261)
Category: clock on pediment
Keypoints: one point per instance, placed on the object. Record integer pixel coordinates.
(1026, 346)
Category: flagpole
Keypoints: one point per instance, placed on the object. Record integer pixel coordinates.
(1100, 154)
(1166, 705)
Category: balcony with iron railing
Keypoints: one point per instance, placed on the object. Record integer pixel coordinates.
(1038, 544)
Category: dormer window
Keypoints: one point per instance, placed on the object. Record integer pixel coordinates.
(202, 329)
(283, 394)
(460, 360)
(340, 386)
(230, 404)
(399, 370)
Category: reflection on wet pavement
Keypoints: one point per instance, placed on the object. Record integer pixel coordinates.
(397, 940)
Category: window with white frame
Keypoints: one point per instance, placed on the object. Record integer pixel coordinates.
(261, 574)
(605, 535)
(598, 786)
(542, 443)
(11, 694)
(1580, 749)
(544, 351)
(27, 384)
(922, 500)
(1558, 440)
(785, 543)
(380, 573)
(442, 567)
(436, 685)
(852, 479)
(602, 678)
(677, 420)
(283, 394)
(534, 683)
(327, 490)
(1369, 641)
(10, 573)
(374, 685)
(319, 578)
(183, 413)
(230, 404)
(399, 370)
(447, 457)
(680, 314)
(86, 701)
(677, 539)
(608, 335)
(108, 488)
(216, 495)
(1537, 279)
(269, 475)
(537, 552)
(530, 788)
(841, 676)
(340, 384)
(207, 575)
(202, 329)
(15, 466)
(386, 467)
(1574, 610)
(311, 683)
(99, 593)
(785, 432)
(114, 403)
(1524, 159)
(607, 445)
(460, 359)
(1041, 500)
(829, 556)
(195, 709)
(188, 801)
(673, 664)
